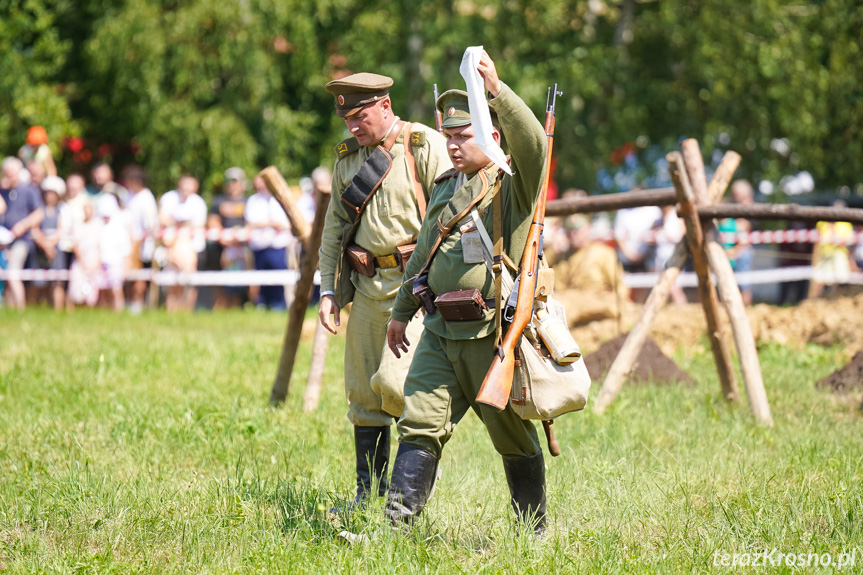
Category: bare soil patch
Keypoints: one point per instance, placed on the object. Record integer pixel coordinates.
(846, 380)
(651, 366)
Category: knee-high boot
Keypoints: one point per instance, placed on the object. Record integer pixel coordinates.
(526, 479)
(411, 485)
(372, 445)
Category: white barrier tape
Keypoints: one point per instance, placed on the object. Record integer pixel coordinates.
(242, 235)
(756, 237)
(227, 235)
(172, 277)
(291, 277)
(775, 275)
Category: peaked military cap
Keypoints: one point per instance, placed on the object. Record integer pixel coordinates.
(455, 111)
(358, 90)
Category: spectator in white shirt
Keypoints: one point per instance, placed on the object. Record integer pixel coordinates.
(143, 215)
(269, 240)
(115, 246)
(185, 212)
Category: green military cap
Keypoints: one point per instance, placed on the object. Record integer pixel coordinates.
(455, 111)
(358, 90)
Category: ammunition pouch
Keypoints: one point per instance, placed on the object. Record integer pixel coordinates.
(403, 254)
(461, 305)
(360, 259)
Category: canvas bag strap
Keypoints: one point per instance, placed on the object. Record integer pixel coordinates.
(444, 230)
(497, 236)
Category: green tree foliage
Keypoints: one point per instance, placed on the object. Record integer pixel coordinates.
(31, 58)
(199, 85)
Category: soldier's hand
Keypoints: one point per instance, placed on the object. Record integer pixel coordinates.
(488, 72)
(329, 308)
(397, 338)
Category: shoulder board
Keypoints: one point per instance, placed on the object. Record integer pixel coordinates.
(345, 147)
(418, 138)
(451, 173)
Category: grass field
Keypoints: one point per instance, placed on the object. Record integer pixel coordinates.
(146, 445)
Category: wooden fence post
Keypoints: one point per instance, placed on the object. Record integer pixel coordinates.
(729, 293)
(308, 267)
(706, 289)
(625, 359)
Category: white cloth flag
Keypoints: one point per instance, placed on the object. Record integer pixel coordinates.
(480, 118)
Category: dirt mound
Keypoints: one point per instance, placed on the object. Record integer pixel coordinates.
(651, 366)
(837, 320)
(847, 379)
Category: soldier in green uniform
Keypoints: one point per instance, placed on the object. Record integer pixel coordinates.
(392, 165)
(452, 357)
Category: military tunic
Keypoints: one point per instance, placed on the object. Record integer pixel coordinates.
(374, 380)
(452, 358)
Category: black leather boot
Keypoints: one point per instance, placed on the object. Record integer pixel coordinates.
(526, 479)
(372, 445)
(411, 485)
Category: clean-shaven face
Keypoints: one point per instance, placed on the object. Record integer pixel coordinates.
(463, 151)
(370, 124)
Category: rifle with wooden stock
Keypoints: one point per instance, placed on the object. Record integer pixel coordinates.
(497, 385)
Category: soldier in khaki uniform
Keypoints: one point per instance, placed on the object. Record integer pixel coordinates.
(379, 228)
(452, 357)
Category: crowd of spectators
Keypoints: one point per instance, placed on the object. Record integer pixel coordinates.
(94, 234)
(101, 231)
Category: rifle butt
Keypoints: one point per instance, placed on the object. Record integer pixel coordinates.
(497, 384)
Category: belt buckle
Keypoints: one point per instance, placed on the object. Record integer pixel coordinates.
(387, 261)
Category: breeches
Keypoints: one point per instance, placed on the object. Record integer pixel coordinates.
(374, 377)
(442, 384)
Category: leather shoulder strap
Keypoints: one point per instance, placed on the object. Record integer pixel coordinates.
(412, 168)
(393, 135)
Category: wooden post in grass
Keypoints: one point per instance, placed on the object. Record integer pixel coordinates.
(729, 292)
(625, 360)
(706, 290)
(308, 267)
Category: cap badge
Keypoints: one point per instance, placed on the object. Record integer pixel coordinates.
(341, 100)
(450, 113)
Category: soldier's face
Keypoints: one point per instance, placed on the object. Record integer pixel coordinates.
(461, 146)
(370, 125)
